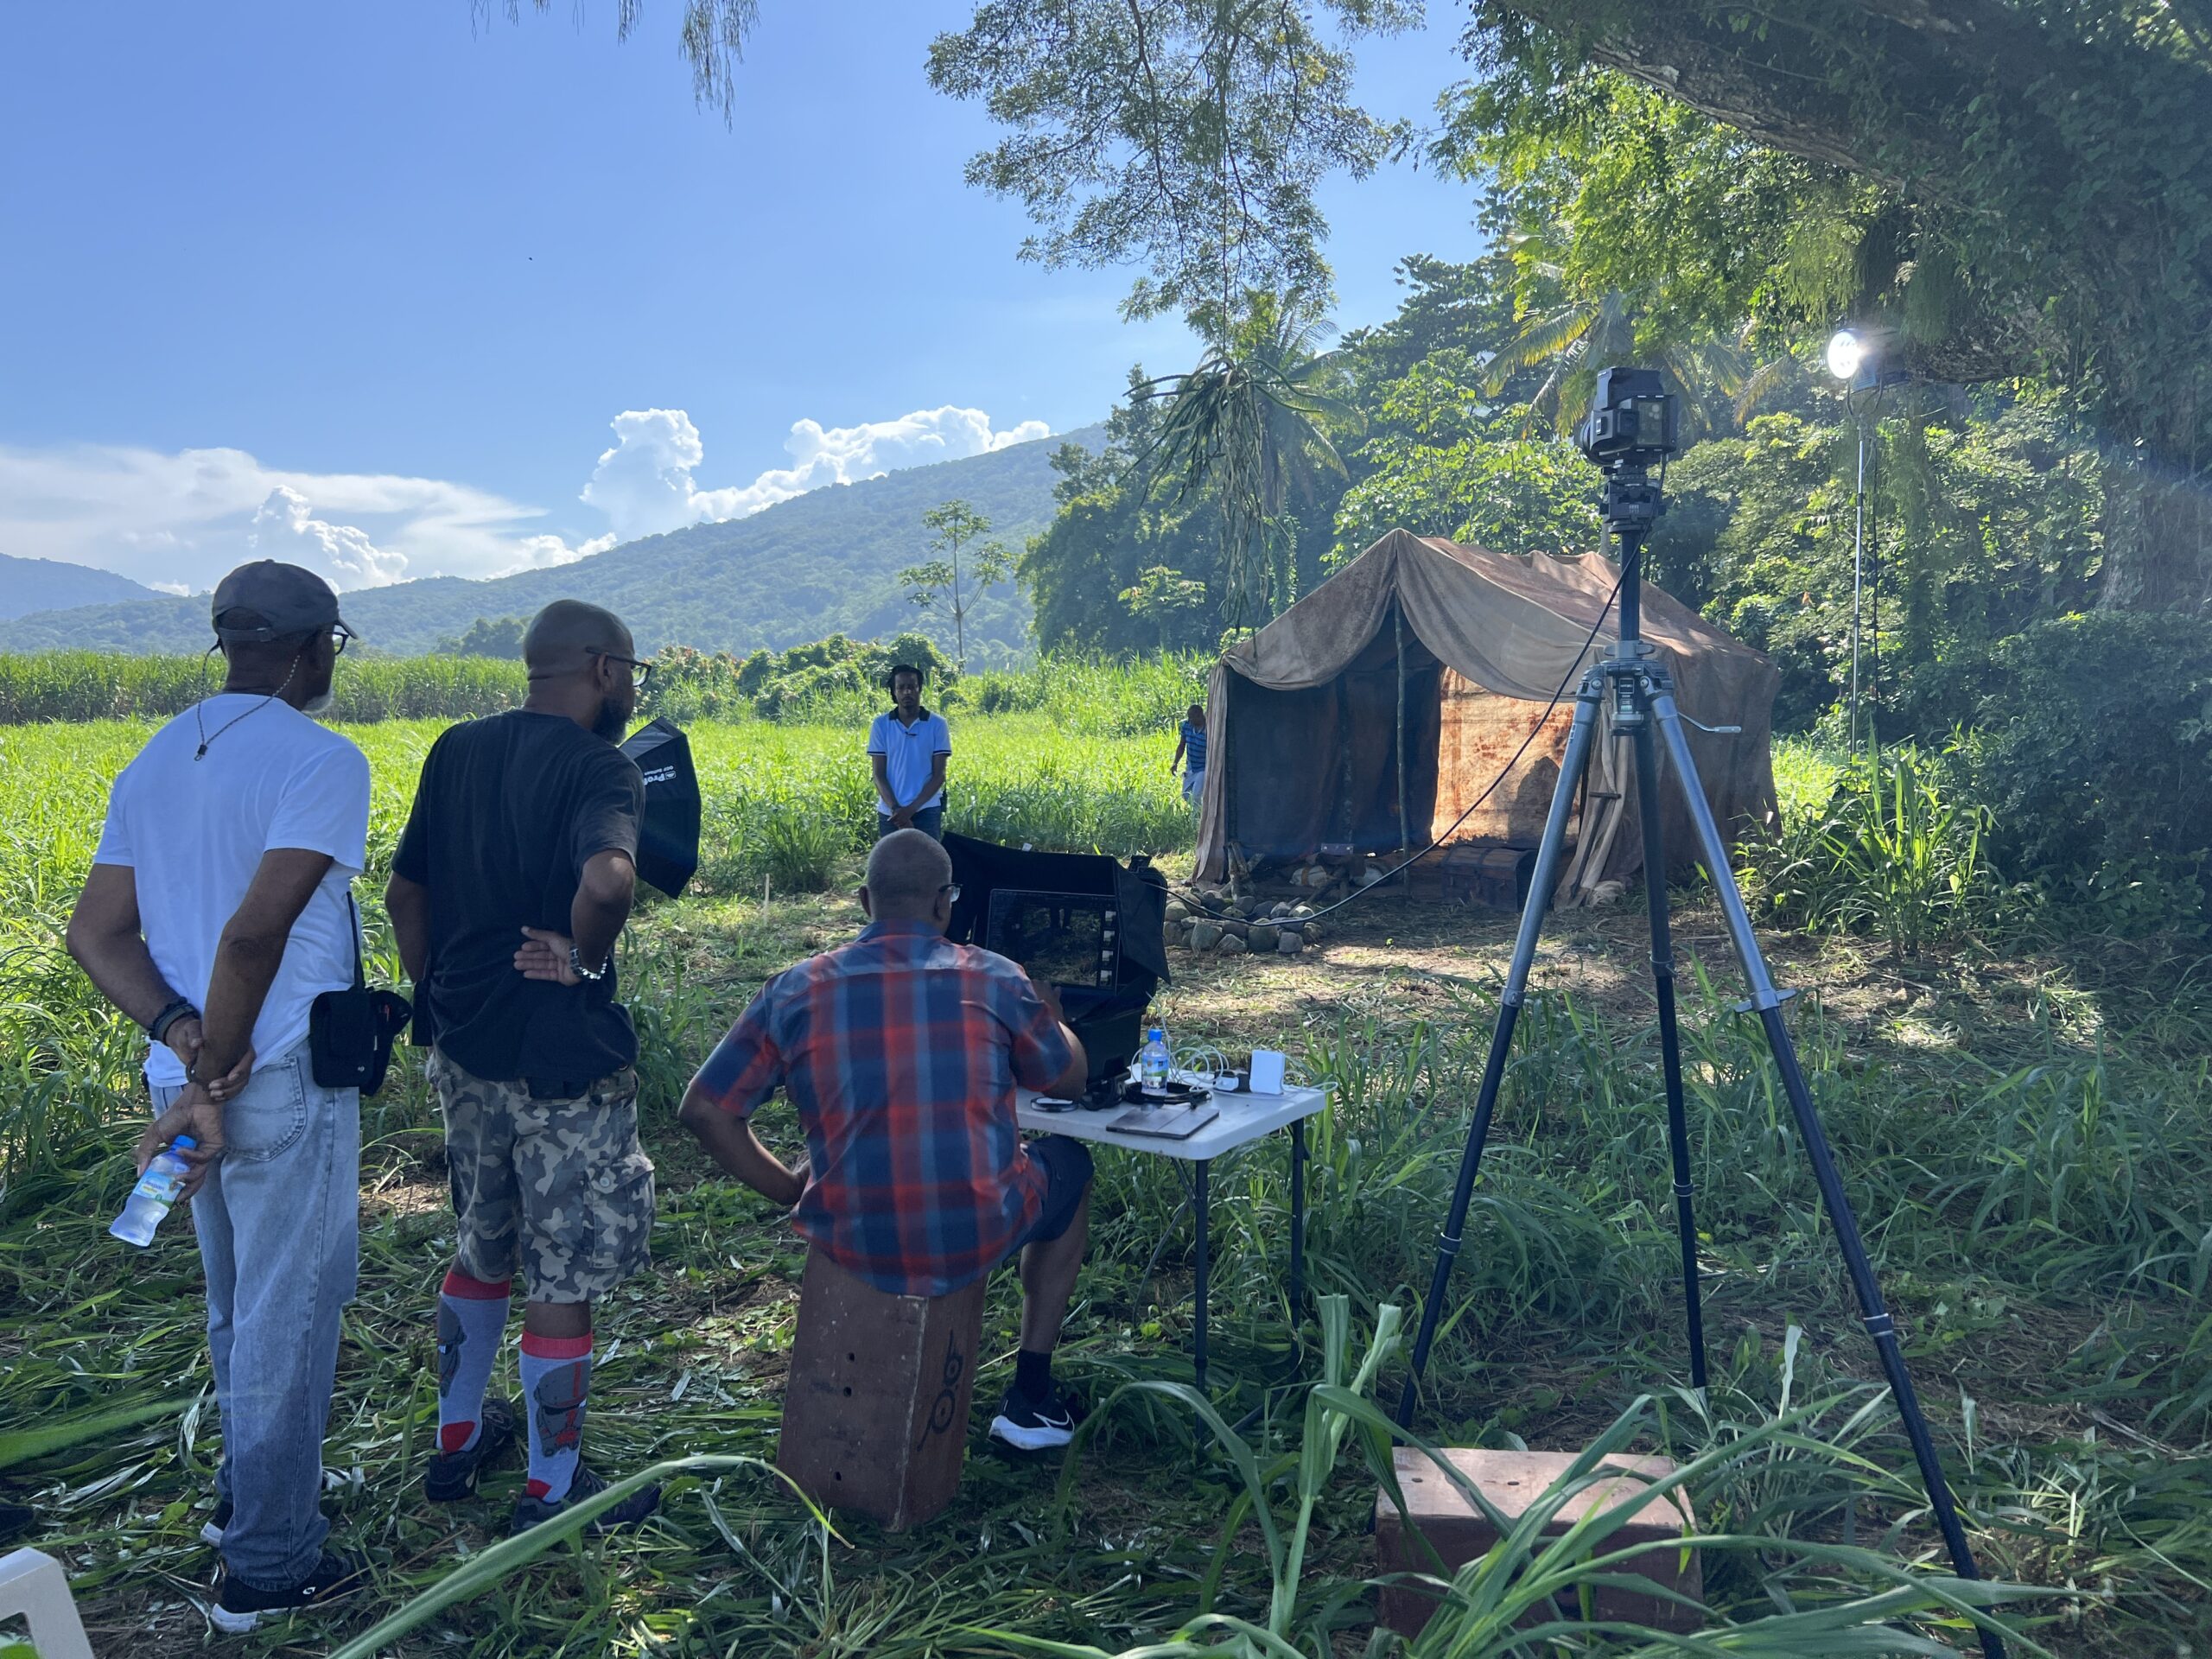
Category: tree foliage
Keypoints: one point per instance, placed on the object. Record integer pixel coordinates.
(2009, 189)
(498, 637)
(1251, 425)
(953, 525)
(711, 37)
(1189, 130)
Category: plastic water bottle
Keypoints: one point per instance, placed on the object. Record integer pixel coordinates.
(1153, 1063)
(151, 1199)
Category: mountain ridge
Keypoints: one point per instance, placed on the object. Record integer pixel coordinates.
(819, 563)
(28, 586)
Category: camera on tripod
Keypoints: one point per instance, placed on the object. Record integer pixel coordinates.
(1633, 421)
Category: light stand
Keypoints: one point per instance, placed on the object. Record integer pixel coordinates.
(1858, 565)
(1638, 692)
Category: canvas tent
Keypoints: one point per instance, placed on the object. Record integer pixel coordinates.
(1369, 714)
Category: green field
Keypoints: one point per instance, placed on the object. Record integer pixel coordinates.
(2020, 1120)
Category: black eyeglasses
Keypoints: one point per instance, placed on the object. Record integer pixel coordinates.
(339, 635)
(644, 673)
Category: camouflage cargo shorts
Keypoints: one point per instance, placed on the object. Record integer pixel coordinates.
(559, 1189)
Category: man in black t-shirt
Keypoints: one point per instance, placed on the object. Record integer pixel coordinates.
(510, 885)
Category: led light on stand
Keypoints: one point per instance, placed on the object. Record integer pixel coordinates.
(1846, 354)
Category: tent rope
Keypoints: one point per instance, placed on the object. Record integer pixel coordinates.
(1574, 672)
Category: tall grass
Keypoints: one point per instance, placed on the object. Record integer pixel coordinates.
(2037, 1192)
(774, 789)
(1893, 851)
(1093, 697)
(86, 685)
(789, 803)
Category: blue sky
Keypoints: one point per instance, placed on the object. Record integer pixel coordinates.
(366, 284)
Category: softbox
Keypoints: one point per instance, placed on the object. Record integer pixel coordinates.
(668, 840)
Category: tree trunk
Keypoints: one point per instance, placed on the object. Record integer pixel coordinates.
(2158, 530)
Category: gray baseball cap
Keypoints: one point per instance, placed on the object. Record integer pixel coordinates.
(289, 598)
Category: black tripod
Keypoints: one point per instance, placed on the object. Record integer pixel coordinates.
(1639, 693)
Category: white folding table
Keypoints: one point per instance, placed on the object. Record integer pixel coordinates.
(1243, 1119)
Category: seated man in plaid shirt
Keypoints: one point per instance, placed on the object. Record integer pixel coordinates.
(900, 1053)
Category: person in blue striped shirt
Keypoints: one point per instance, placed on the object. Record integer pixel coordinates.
(1191, 747)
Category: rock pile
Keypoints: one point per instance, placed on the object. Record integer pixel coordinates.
(1234, 925)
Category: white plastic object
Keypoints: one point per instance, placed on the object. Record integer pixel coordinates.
(151, 1199)
(33, 1584)
(1155, 1062)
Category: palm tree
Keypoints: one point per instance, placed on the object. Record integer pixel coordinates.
(1569, 340)
(1252, 420)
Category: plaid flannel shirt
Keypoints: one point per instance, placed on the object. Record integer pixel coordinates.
(901, 1051)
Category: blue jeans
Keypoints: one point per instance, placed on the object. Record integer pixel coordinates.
(929, 821)
(277, 1223)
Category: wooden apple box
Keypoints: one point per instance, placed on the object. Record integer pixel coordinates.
(875, 1409)
(1460, 1533)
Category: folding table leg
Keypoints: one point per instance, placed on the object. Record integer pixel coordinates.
(1297, 1223)
(1198, 1330)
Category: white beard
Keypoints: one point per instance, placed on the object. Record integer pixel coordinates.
(318, 705)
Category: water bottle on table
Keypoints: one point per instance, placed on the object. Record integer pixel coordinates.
(1153, 1064)
(156, 1191)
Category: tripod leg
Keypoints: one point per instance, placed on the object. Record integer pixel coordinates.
(1872, 1312)
(1670, 1047)
(1549, 851)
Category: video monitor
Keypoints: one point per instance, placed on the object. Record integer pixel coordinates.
(1063, 938)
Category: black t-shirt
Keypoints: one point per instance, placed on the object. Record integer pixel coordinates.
(509, 810)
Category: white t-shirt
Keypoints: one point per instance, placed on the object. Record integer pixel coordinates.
(192, 833)
(909, 754)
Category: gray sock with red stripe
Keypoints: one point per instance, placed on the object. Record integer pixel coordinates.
(472, 1318)
(555, 1378)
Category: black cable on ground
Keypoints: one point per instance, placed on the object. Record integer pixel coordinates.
(1573, 673)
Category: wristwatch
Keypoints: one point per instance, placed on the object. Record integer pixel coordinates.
(576, 966)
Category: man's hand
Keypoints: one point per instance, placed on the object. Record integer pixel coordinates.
(232, 1082)
(193, 1113)
(184, 1037)
(903, 818)
(544, 954)
(802, 1172)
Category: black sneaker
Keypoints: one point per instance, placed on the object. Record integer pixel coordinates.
(1035, 1425)
(239, 1606)
(631, 1511)
(212, 1529)
(452, 1475)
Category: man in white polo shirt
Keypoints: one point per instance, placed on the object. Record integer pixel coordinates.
(218, 908)
(908, 748)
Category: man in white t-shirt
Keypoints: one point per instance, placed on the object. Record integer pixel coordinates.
(909, 748)
(218, 908)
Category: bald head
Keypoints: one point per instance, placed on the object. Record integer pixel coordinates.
(907, 874)
(569, 637)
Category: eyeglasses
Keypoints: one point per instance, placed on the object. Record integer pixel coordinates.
(952, 890)
(644, 673)
(339, 635)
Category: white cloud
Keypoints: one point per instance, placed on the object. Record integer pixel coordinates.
(177, 521)
(285, 527)
(645, 483)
